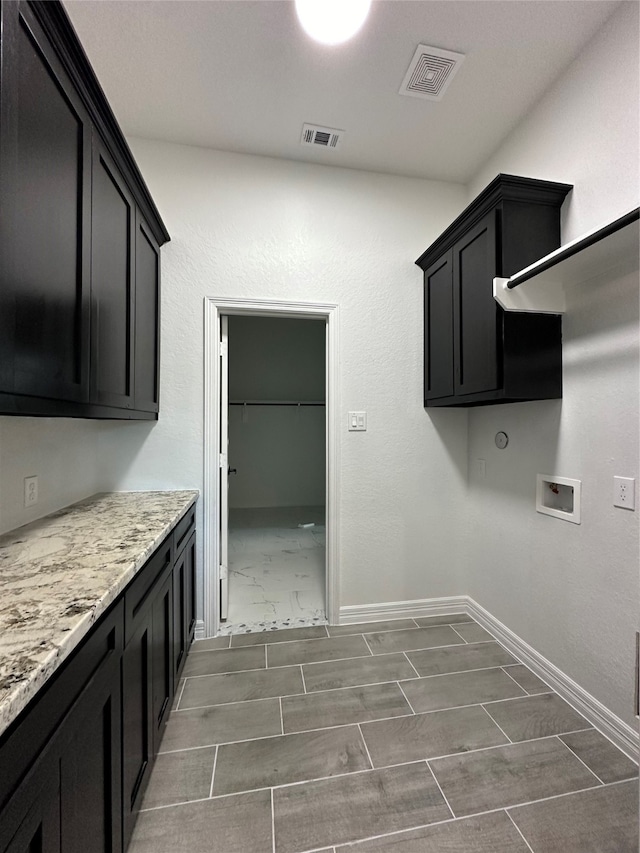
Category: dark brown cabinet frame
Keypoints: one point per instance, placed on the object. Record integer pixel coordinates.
(475, 353)
(65, 169)
(76, 762)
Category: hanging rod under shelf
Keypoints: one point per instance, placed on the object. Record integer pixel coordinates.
(588, 256)
(276, 403)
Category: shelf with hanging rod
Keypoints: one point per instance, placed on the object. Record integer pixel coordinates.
(593, 254)
(276, 402)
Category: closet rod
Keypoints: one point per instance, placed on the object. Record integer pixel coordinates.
(276, 403)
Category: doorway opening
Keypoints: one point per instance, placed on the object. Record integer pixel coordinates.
(270, 501)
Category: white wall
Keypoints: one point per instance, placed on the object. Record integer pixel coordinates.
(572, 591)
(62, 452)
(584, 131)
(246, 226)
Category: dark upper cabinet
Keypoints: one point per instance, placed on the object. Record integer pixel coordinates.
(147, 319)
(112, 284)
(45, 173)
(475, 353)
(79, 309)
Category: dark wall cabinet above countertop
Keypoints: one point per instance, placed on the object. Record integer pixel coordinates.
(80, 235)
(475, 353)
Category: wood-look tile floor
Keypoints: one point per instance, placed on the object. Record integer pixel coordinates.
(410, 736)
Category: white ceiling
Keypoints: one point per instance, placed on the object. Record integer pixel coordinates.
(240, 75)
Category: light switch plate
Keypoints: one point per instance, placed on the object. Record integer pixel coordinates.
(357, 421)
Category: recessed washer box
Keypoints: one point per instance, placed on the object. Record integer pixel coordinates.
(559, 497)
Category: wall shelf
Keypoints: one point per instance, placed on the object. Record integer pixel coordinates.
(585, 257)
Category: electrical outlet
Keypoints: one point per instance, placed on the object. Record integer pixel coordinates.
(481, 468)
(624, 492)
(30, 491)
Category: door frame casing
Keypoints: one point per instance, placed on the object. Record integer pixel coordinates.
(214, 307)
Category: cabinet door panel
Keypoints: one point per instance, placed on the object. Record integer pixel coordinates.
(91, 766)
(137, 742)
(438, 329)
(147, 345)
(190, 569)
(112, 285)
(39, 828)
(162, 660)
(179, 615)
(476, 314)
(44, 238)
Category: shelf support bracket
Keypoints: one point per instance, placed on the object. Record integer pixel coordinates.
(537, 298)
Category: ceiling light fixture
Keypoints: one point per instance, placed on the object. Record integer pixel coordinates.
(332, 21)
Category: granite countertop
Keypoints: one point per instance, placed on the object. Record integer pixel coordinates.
(60, 573)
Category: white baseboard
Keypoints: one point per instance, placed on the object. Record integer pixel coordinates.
(199, 634)
(624, 736)
(356, 613)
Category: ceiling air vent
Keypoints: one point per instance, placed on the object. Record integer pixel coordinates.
(325, 137)
(430, 72)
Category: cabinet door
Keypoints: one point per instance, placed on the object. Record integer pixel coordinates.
(162, 660)
(438, 329)
(112, 284)
(137, 727)
(147, 316)
(91, 768)
(30, 823)
(475, 312)
(45, 187)
(190, 570)
(180, 594)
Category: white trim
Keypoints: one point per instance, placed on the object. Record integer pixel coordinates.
(213, 308)
(611, 726)
(199, 632)
(356, 613)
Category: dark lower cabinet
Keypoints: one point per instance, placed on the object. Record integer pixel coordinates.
(91, 768)
(75, 765)
(475, 353)
(137, 727)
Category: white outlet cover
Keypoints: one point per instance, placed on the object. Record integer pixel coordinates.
(30, 491)
(624, 492)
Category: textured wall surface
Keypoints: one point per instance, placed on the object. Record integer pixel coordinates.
(61, 451)
(584, 131)
(252, 227)
(572, 591)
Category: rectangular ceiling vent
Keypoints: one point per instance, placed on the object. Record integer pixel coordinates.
(325, 137)
(430, 72)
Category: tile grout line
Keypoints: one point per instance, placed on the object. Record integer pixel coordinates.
(365, 746)
(493, 720)
(213, 774)
(273, 823)
(460, 635)
(593, 772)
(184, 684)
(413, 710)
(358, 657)
(266, 658)
(448, 804)
(304, 683)
(356, 686)
(518, 830)
(281, 715)
(405, 764)
(525, 692)
(366, 642)
(406, 657)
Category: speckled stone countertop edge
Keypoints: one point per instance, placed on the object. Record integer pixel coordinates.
(24, 691)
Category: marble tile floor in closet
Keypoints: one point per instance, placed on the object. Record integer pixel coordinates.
(410, 736)
(276, 569)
